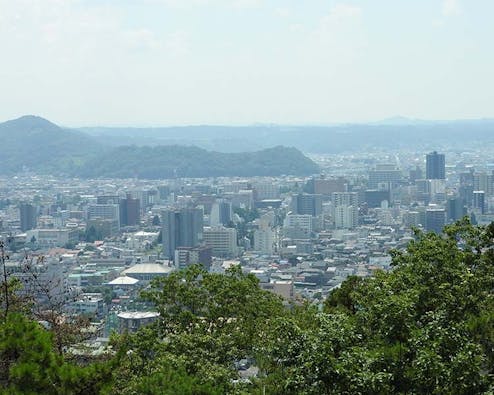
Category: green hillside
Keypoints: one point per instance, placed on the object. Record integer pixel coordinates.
(182, 161)
(35, 144)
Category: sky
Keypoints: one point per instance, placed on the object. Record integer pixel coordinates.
(179, 62)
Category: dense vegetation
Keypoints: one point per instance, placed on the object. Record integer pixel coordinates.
(426, 327)
(180, 161)
(35, 144)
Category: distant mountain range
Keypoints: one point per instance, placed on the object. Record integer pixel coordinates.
(389, 134)
(33, 143)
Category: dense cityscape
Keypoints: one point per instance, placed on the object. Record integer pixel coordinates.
(236, 197)
(105, 239)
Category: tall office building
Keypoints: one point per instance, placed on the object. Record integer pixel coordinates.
(221, 213)
(326, 186)
(307, 204)
(181, 228)
(103, 211)
(28, 216)
(479, 202)
(266, 190)
(435, 168)
(435, 219)
(108, 199)
(345, 199)
(455, 209)
(483, 182)
(384, 174)
(129, 211)
(374, 197)
(104, 218)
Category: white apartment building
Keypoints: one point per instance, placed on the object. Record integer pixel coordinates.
(264, 240)
(223, 241)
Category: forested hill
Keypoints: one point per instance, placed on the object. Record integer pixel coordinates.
(181, 161)
(35, 144)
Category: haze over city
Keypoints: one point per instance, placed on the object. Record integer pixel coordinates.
(278, 197)
(230, 62)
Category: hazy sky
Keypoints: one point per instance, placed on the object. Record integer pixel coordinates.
(164, 62)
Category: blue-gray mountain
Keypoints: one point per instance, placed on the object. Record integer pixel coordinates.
(390, 134)
(35, 144)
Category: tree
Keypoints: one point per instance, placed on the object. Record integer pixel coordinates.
(425, 327)
(207, 323)
(28, 364)
(92, 234)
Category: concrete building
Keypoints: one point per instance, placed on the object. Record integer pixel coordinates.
(223, 241)
(53, 237)
(345, 209)
(181, 228)
(307, 204)
(186, 256)
(326, 186)
(89, 304)
(384, 174)
(266, 190)
(345, 217)
(298, 221)
(374, 197)
(130, 211)
(455, 209)
(435, 219)
(264, 240)
(479, 204)
(104, 211)
(221, 213)
(132, 321)
(435, 168)
(28, 216)
(484, 182)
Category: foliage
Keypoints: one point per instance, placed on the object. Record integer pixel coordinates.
(426, 327)
(188, 161)
(28, 364)
(207, 323)
(91, 235)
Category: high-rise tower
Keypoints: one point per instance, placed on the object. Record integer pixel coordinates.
(181, 228)
(435, 166)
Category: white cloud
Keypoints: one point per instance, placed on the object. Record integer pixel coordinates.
(340, 17)
(203, 3)
(246, 3)
(296, 27)
(342, 12)
(451, 7)
(141, 39)
(177, 43)
(283, 12)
